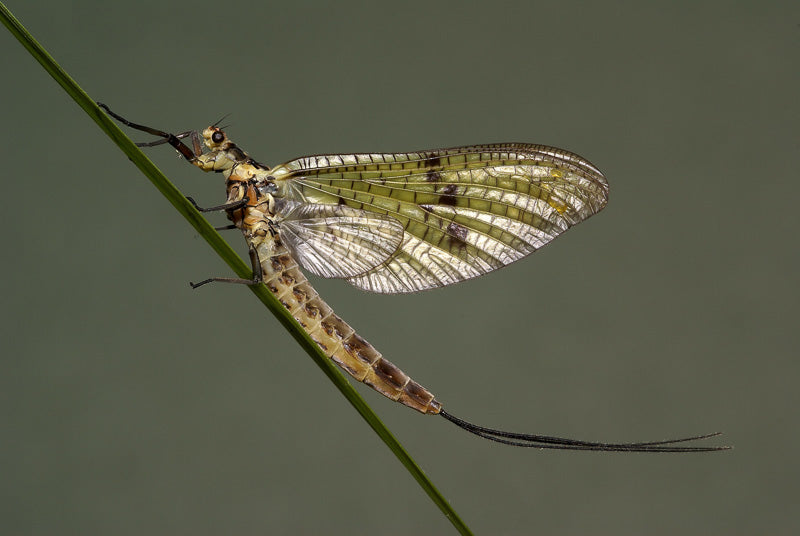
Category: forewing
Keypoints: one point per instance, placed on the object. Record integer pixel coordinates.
(464, 211)
(337, 241)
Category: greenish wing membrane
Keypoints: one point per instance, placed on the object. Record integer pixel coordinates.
(463, 211)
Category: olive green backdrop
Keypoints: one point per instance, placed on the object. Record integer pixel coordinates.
(131, 404)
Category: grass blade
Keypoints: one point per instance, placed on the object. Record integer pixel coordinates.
(224, 250)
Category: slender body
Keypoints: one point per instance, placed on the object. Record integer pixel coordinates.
(397, 223)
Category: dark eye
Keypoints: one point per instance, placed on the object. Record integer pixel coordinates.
(217, 137)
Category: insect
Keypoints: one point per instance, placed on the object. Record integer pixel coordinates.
(396, 223)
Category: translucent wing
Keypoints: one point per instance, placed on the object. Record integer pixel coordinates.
(339, 241)
(464, 211)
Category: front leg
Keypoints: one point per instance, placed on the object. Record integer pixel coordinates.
(172, 139)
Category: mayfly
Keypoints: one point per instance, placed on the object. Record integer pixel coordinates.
(396, 223)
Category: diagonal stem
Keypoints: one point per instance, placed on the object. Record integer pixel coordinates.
(233, 260)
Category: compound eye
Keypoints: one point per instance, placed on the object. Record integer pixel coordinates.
(217, 137)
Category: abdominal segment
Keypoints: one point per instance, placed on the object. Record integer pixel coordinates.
(336, 338)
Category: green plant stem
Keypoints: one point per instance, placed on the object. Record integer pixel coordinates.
(224, 250)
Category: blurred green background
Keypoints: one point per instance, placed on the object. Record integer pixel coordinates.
(132, 404)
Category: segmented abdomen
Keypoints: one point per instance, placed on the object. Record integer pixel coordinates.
(336, 338)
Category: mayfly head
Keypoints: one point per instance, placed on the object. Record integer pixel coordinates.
(223, 152)
(215, 138)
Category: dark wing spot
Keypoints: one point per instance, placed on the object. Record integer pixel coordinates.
(434, 163)
(448, 195)
(428, 210)
(458, 234)
(341, 201)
